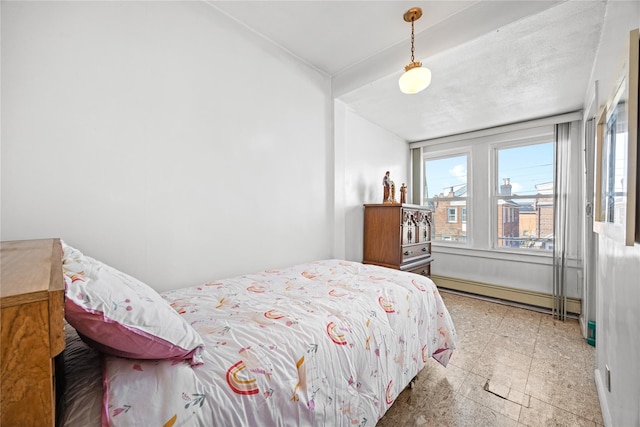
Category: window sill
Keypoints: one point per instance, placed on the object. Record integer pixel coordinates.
(545, 258)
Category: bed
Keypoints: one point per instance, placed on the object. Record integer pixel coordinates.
(323, 343)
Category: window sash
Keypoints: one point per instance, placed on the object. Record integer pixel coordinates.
(539, 239)
(447, 229)
(510, 235)
(452, 215)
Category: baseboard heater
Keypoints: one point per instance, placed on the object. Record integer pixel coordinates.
(504, 293)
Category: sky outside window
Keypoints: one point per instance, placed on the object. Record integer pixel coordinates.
(444, 173)
(526, 167)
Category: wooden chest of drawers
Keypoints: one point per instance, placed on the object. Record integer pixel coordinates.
(32, 330)
(398, 236)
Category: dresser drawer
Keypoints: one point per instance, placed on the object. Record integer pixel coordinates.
(410, 252)
(424, 270)
(419, 266)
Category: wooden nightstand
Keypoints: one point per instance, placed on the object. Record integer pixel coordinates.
(32, 330)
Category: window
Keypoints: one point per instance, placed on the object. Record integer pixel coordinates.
(614, 167)
(445, 191)
(524, 196)
(452, 215)
(500, 184)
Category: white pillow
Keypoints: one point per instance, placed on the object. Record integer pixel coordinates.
(121, 316)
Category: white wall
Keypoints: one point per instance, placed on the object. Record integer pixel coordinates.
(364, 152)
(162, 138)
(618, 266)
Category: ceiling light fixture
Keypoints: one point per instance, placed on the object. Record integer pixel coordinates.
(416, 78)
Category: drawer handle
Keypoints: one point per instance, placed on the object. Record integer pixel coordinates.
(408, 252)
(424, 249)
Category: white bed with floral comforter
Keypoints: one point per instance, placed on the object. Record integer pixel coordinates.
(329, 343)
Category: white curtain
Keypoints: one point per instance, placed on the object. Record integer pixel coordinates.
(560, 218)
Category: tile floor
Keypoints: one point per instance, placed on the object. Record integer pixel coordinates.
(512, 367)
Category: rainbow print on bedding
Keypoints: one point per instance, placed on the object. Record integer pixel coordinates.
(325, 343)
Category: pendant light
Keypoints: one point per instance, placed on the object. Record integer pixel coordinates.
(416, 78)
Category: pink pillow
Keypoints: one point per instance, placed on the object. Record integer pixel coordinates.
(119, 315)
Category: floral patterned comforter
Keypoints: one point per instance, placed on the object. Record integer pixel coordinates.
(330, 343)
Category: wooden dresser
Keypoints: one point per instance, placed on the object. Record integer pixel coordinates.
(398, 236)
(32, 328)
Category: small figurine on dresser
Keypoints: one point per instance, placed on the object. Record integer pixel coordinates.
(389, 187)
(386, 184)
(403, 193)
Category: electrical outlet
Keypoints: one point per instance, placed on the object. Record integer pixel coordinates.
(608, 377)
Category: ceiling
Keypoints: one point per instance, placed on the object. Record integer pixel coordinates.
(492, 62)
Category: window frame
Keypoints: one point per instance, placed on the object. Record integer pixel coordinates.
(481, 227)
(455, 215)
(495, 189)
(444, 154)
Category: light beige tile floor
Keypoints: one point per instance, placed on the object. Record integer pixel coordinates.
(512, 367)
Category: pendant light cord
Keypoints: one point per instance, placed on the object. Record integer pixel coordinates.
(412, 49)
